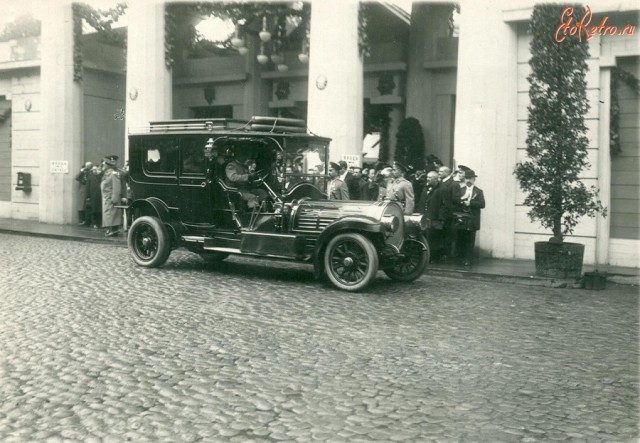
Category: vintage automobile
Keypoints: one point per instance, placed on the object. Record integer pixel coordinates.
(182, 198)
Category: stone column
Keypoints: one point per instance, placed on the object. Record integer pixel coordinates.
(61, 112)
(149, 81)
(335, 77)
(486, 118)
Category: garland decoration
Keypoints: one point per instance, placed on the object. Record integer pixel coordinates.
(618, 76)
(364, 14)
(182, 38)
(101, 21)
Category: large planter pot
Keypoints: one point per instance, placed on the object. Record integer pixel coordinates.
(559, 260)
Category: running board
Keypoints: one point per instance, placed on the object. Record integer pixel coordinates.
(253, 254)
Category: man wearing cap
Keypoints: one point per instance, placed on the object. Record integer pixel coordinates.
(468, 199)
(337, 187)
(112, 195)
(239, 176)
(400, 188)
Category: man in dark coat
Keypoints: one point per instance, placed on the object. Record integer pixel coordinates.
(347, 177)
(467, 200)
(361, 186)
(448, 185)
(435, 204)
(93, 205)
(82, 178)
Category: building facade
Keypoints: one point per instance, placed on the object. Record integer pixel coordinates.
(469, 93)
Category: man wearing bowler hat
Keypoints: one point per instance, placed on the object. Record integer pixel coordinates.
(337, 187)
(400, 189)
(469, 200)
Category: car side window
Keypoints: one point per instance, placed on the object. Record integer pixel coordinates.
(193, 156)
(160, 157)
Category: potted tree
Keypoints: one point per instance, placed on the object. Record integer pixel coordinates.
(557, 143)
(410, 143)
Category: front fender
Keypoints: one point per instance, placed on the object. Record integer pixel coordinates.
(367, 225)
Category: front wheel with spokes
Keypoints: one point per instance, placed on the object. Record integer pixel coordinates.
(351, 261)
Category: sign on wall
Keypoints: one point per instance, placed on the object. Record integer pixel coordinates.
(59, 167)
(351, 159)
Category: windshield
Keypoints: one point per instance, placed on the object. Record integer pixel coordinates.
(305, 159)
(287, 161)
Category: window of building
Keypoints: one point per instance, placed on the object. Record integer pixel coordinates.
(212, 111)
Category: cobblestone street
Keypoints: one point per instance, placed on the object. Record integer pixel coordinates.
(93, 348)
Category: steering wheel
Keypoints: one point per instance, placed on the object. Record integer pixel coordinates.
(261, 180)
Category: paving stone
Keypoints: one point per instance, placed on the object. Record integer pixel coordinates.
(186, 352)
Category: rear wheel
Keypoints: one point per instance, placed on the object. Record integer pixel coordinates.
(351, 261)
(414, 260)
(148, 242)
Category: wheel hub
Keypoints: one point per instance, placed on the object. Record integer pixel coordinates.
(348, 262)
(146, 242)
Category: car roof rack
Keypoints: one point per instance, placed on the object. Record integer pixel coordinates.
(256, 124)
(197, 124)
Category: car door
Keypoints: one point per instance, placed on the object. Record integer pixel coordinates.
(154, 168)
(194, 186)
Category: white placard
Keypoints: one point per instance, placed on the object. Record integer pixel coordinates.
(351, 159)
(59, 167)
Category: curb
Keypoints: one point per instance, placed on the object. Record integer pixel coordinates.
(105, 241)
(612, 279)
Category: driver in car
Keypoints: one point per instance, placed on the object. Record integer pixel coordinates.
(238, 175)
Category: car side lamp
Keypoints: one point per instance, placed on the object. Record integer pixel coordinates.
(24, 182)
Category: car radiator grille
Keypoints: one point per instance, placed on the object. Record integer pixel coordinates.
(309, 220)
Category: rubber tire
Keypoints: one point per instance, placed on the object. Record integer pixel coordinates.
(213, 257)
(157, 233)
(397, 274)
(366, 247)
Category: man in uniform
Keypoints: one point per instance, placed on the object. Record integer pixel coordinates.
(112, 195)
(400, 189)
(337, 187)
(239, 176)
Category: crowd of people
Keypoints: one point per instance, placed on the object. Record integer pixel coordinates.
(450, 200)
(102, 188)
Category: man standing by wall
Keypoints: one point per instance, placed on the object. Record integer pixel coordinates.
(112, 195)
(83, 210)
(468, 200)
